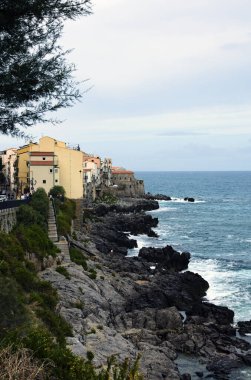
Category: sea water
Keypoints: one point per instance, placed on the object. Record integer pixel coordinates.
(215, 229)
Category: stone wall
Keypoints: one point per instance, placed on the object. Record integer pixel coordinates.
(8, 219)
(134, 189)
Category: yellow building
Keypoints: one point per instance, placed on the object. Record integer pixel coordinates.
(51, 162)
(23, 157)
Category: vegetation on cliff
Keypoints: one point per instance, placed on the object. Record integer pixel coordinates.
(32, 333)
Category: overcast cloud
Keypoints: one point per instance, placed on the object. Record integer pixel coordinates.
(171, 84)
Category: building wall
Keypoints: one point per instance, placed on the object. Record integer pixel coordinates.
(126, 185)
(69, 161)
(43, 176)
(8, 161)
(22, 167)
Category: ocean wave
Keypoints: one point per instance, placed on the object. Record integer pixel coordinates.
(181, 200)
(163, 209)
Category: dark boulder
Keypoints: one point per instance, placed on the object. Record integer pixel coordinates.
(220, 315)
(189, 199)
(158, 197)
(244, 327)
(165, 257)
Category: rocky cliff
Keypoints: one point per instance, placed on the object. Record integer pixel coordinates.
(146, 305)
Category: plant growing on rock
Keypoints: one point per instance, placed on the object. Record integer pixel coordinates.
(20, 364)
(64, 272)
(78, 257)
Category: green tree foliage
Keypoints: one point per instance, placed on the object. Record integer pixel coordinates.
(31, 229)
(12, 310)
(34, 75)
(65, 212)
(57, 191)
(28, 310)
(27, 216)
(40, 203)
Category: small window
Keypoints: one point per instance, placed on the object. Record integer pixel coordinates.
(50, 170)
(44, 180)
(43, 158)
(56, 181)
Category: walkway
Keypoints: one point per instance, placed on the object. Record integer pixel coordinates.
(61, 242)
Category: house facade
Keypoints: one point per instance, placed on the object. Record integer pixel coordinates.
(51, 162)
(125, 184)
(8, 158)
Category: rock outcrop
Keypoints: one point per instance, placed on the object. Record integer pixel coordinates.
(144, 304)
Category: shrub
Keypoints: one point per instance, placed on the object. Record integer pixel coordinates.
(28, 216)
(79, 304)
(57, 191)
(65, 212)
(56, 324)
(20, 364)
(64, 272)
(90, 355)
(40, 203)
(108, 198)
(93, 274)
(12, 309)
(78, 257)
(34, 239)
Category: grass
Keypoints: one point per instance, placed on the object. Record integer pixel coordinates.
(78, 258)
(64, 272)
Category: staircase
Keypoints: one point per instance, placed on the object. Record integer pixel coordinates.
(61, 243)
(52, 225)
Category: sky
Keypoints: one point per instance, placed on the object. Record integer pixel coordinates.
(170, 85)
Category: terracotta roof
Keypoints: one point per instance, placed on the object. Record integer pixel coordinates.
(41, 163)
(122, 172)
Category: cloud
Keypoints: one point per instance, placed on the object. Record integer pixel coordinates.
(180, 133)
(178, 69)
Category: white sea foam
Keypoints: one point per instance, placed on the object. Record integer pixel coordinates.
(163, 209)
(181, 200)
(226, 285)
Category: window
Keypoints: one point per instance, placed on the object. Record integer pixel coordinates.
(50, 170)
(56, 180)
(43, 158)
(44, 180)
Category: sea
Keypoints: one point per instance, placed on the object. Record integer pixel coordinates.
(215, 229)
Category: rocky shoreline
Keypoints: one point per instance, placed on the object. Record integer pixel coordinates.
(147, 305)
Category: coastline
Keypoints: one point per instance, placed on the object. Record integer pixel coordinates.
(142, 309)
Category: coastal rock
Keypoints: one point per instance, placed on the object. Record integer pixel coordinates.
(189, 199)
(126, 206)
(220, 315)
(244, 327)
(246, 357)
(159, 197)
(165, 257)
(221, 367)
(110, 232)
(130, 308)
